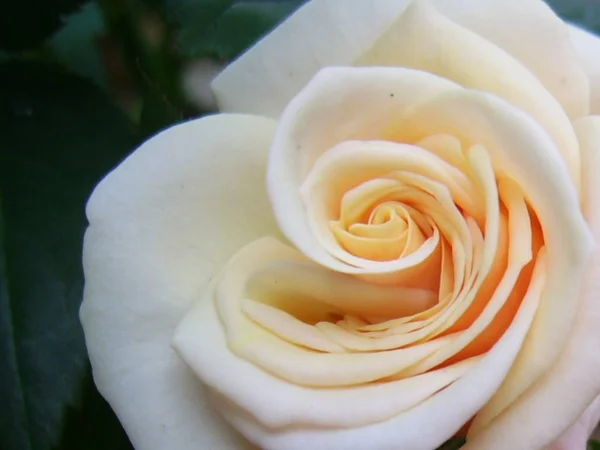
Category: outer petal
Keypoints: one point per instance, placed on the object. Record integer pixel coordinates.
(320, 34)
(215, 338)
(424, 427)
(529, 31)
(587, 46)
(160, 225)
(571, 384)
(576, 437)
(473, 62)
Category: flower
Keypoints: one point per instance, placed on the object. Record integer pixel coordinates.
(420, 262)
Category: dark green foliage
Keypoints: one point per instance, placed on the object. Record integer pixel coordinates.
(452, 444)
(223, 28)
(59, 135)
(24, 24)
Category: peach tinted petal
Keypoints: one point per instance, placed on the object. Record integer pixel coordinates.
(571, 381)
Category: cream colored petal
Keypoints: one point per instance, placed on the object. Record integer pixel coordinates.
(339, 104)
(424, 39)
(576, 437)
(320, 34)
(344, 104)
(571, 382)
(354, 162)
(277, 404)
(378, 249)
(472, 256)
(587, 46)
(446, 147)
(290, 362)
(520, 148)
(519, 251)
(161, 224)
(482, 169)
(529, 31)
(271, 73)
(455, 260)
(446, 411)
(340, 291)
(288, 327)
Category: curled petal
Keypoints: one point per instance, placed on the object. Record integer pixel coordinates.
(210, 351)
(475, 63)
(572, 378)
(520, 148)
(339, 104)
(526, 29)
(277, 414)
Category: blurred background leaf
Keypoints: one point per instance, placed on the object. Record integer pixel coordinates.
(452, 444)
(59, 135)
(24, 24)
(229, 27)
(77, 44)
(585, 13)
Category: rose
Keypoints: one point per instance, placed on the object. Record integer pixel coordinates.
(160, 229)
(440, 209)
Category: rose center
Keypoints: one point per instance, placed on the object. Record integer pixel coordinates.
(384, 219)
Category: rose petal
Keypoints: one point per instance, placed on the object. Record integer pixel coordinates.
(160, 225)
(351, 295)
(473, 62)
(520, 148)
(519, 255)
(339, 104)
(587, 46)
(317, 119)
(482, 168)
(576, 437)
(526, 29)
(201, 341)
(350, 163)
(571, 381)
(260, 405)
(278, 356)
(265, 78)
(321, 34)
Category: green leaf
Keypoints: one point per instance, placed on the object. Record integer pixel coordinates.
(452, 444)
(224, 29)
(76, 44)
(193, 13)
(157, 112)
(153, 67)
(594, 445)
(92, 425)
(582, 12)
(24, 24)
(58, 136)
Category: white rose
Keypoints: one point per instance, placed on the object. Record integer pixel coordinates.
(393, 242)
